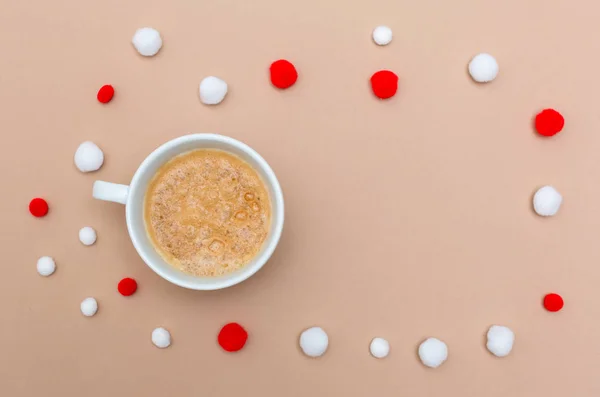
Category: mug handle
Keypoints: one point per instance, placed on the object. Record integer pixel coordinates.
(108, 191)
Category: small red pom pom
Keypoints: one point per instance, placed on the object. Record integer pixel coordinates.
(127, 286)
(232, 337)
(384, 84)
(106, 93)
(553, 302)
(283, 74)
(38, 207)
(549, 122)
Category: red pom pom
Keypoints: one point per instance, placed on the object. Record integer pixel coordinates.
(283, 74)
(553, 302)
(38, 207)
(549, 122)
(232, 337)
(127, 286)
(106, 93)
(384, 84)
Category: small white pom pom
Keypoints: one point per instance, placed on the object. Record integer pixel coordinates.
(433, 352)
(147, 41)
(87, 235)
(380, 348)
(46, 266)
(212, 90)
(89, 307)
(314, 342)
(547, 201)
(483, 68)
(500, 340)
(382, 35)
(161, 338)
(88, 157)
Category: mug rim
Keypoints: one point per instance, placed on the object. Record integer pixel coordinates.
(277, 205)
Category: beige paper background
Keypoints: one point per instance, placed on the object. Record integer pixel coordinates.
(405, 219)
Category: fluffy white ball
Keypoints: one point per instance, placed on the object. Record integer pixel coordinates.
(161, 338)
(89, 307)
(147, 41)
(314, 342)
(547, 201)
(87, 235)
(46, 266)
(88, 157)
(483, 68)
(433, 352)
(379, 348)
(212, 90)
(500, 340)
(382, 35)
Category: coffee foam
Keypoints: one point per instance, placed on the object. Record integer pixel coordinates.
(207, 212)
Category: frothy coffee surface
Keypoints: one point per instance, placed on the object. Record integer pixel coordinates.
(207, 212)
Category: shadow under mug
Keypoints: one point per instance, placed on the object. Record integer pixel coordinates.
(133, 198)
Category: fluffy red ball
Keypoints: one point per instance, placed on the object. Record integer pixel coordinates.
(283, 74)
(38, 207)
(127, 286)
(384, 84)
(549, 122)
(553, 302)
(232, 337)
(105, 93)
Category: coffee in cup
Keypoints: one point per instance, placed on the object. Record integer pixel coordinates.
(202, 241)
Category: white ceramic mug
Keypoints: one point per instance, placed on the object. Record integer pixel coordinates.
(133, 198)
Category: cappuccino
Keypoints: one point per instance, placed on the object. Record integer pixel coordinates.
(207, 212)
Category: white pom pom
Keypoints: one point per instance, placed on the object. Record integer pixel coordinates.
(88, 157)
(46, 266)
(500, 340)
(89, 307)
(547, 201)
(483, 68)
(87, 235)
(147, 41)
(314, 342)
(380, 348)
(382, 35)
(161, 338)
(433, 352)
(212, 90)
